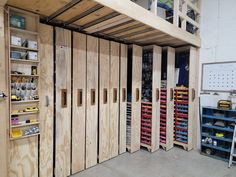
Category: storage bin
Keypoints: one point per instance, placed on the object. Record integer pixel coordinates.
(32, 55)
(17, 21)
(15, 40)
(32, 45)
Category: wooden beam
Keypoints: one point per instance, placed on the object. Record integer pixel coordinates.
(130, 9)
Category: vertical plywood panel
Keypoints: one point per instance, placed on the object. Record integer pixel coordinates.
(23, 158)
(63, 103)
(136, 98)
(123, 98)
(4, 109)
(170, 97)
(92, 102)
(46, 104)
(192, 121)
(156, 86)
(114, 98)
(104, 76)
(79, 102)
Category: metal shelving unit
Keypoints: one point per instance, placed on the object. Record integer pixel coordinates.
(217, 132)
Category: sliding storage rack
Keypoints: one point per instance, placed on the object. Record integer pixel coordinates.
(23, 73)
(185, 97)
(150, 106)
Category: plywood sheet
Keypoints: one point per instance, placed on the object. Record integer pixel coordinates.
(114, 98)
(192, 121)
(92, 102)
(136, 98)
(123, 98)
(46, 104)
(170, 100)
(63, 103)
(156, 85)
(23, 158)
(79, 102)
(104, 76)
(4, 108)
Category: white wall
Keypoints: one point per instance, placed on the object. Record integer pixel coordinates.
(218, 34)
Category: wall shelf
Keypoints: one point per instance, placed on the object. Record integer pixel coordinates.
(23, 31)
(24, 61)
(23, 48)
(25, 125)
(22, 137)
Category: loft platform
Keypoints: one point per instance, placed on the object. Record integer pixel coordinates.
(122, 21)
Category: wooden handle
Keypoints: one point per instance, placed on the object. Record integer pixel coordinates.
(79, 97)
(123, 94)
(157, 94)
(114, 95)
(193, 94)
(93, 96)
(104, 96)
(171, 94)
(137, 94)
(64, 98)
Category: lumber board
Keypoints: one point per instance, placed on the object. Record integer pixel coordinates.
(23, 158)
(136, 98)
(94, 16)
(46, 104)
(78, 9)
(123, 98)
(63, 103)
(104, 119)
(4, 108)
(192, 119)
(114, 98)
(92, 102)
(156, 85)
(170, 102)
(79, 102)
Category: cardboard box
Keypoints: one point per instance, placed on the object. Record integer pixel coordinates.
(32, 45)
(32, 55)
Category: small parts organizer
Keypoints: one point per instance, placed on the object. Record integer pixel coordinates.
(146, 124)
(24, 74)
(163, 112)
(128, 124)
(181, 96)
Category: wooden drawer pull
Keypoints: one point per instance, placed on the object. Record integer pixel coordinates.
(123, 94)
(93, 96)
(193, 94)
(137, 94)
(64, 98)
(104, 96)
(171, 94)
(114, 95)
(157, 94)
(80, 97)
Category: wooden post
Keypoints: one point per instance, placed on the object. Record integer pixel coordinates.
(47, 100)
(104, 77)
(79, 102)
(176, 13)
(123, 97)
(63, 102)
(4, 109)
(153, 7)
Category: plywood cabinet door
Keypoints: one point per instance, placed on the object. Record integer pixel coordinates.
(123, 98)
(104, 122)
(79, 102)
(92, 102)
(136, 97)
(156, 86)
(63, 103)
(114, 98)
(170, 97)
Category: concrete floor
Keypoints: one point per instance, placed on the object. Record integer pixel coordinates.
(174, 163)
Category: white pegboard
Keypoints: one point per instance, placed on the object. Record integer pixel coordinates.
(219, 76)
